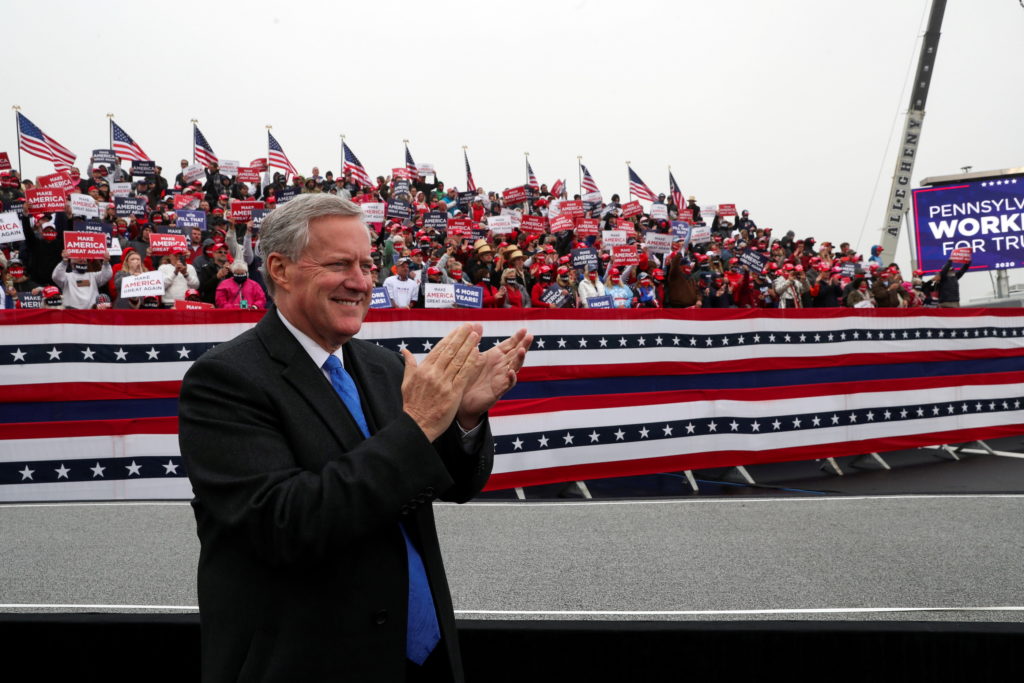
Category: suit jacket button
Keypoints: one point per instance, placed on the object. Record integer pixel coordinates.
(380, 617)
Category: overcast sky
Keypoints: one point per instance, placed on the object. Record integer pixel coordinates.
(784, 108)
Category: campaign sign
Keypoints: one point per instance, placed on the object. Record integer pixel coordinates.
(583, 258)
(18, 207)
(186, 201)
(5, 162)
(85, 206)
(630, 209)
(985, 216)
(104, 156)
(438, 295)
(402, 186)
(686, 215)
(554, 295)
(726, 210)
(379, 298)
(573, 208)
(85, 245)
(399, 209)
(257, 218)
(59, 180)
(95, 227)
(28, 300)
(120, 189)
(601, 302)
(460, 227)
(144, 284)
(163, 243)
(659, 212)
(193, 173)
(130, 206)
(469, 296)
(435, 220)
(188, 219)
(625, 255)
(403, 172)
(848, 269)
(754, 260)
(614, 238)
(681, 231)
(465, 199)
(961, 255)
(514, 195)
(561, 224)
(708, 212)
(247, 174)
(259, 164)
(373, 212)
(241, 210)
(183, 305)
(588, 227)
(593, 198)
(287, 194)
(533, 224)
(699, 234)
(500, 225)
(228, 167)
(589, 208)
(45, 199)
(10, 227)
(658, 243)
(143, 168)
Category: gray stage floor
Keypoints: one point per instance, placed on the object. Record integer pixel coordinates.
(921, 557)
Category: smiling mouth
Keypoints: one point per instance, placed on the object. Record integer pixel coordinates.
(348, 302)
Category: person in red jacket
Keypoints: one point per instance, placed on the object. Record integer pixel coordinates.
(544, 279)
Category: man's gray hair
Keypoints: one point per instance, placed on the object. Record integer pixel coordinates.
(285, 230)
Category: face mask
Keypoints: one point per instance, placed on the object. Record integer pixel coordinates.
(240, 279)
(17, 273)
(81, 268)
(49, 236)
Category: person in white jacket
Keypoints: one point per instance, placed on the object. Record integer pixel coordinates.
(590, 286)
(179, 277)
(80, 280)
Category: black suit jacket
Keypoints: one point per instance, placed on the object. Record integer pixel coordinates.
(302, 570)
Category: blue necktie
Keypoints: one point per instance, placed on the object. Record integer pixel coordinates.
(422, 633)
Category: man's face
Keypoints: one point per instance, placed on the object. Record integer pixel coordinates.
(184, 164)
(220, 256)
(402, 270)
(197, 236)
(326, 292)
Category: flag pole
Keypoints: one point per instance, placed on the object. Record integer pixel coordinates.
(341, 171)
(110, 131)
(194, 126)
(629, 184)
(529, 204)
(17, 130)
(579, 171)
(268, 127)
(465, 161)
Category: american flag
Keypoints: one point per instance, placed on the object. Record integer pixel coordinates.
(531, 179)
(677, 194)
(587, 185)
(276, 156)
(37, 143)
(558, 188)
(409, 163)
(125, 147)
(351, 164)
(202, 151)
(470, 185)
(638, 188)
(89, 406)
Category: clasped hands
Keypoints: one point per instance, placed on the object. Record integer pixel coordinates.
(458, 381)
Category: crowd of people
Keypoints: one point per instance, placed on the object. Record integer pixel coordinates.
(673, 256)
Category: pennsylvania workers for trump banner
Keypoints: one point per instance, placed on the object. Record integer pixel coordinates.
(89, 406)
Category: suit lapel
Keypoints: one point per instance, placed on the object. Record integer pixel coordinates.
(376, 384)
(308, 380)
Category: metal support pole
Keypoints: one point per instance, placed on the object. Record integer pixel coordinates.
(110, 130)
(17, 132)
(194, 126)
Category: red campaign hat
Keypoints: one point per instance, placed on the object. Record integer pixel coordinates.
(191, 292)
(788, 266)
(271, 200)
(799, 268)
(563, 260)
(50, 291)
(563, 270)
(218, 211)
(605, 256)
(196, 183)
(223, 196)
(658, 274)
(544, 269)
(548, 248)
(433, 271)
(413, 252)
(613, 272)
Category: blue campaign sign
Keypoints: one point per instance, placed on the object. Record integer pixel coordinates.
(754, 260)
(584, 257)
(681, 231)
(188, 219)
(97, 227)
(287, 194)
(601, 302)
(104, 156)
(398, 209)
(143, 168)
(379, 298)
(130, 206)
(257, 218)
(177, 229)
(469, 296)
(986, 217)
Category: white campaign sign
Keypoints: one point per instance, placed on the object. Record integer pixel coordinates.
(658, 243)
(146, 284)
(115, 247)
(438, 295)
(193, 173)
(708, 212)
(659, 212)
(121, 189)
(425, 169)
(228, 167)
(373, 212)
(10, 227)
(614, 238)
(500, 225)
(699, 234)
(84, 205)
